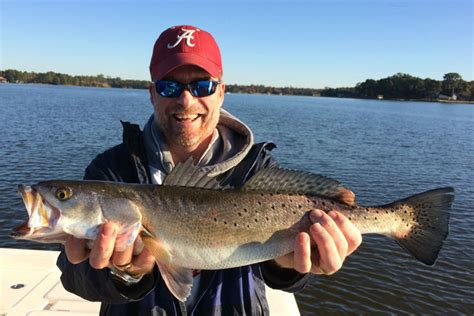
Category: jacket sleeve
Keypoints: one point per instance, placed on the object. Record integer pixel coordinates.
(288, 280)
(98, 284)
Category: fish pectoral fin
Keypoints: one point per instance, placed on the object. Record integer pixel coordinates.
(126, 214)
(157, 249)
(127, 232)
(178, 280)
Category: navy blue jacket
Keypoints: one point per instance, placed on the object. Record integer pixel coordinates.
(236, 291)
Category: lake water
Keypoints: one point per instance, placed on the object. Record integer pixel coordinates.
(383, 150)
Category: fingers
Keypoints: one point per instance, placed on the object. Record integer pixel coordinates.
(339, 243)
(330, 260)
(302, 254)
(350, 231)
(335, 239)
(144, 262)
(76, 250)
(120, 258)
(102, 251)
(135, 260)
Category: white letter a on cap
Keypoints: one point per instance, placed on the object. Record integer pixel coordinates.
(188, 35)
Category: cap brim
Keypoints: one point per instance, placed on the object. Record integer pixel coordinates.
(180, 59)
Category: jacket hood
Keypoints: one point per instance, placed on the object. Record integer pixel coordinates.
(230, 144)
(236, 140)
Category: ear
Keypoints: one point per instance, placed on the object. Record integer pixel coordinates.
(151, 90)
(222, 92)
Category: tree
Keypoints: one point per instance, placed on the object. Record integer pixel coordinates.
(432, 88)
(451, 82)
(367, 89)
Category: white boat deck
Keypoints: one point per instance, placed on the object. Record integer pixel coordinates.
(30, 285)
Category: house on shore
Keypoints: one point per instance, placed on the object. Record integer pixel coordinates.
(447, 98)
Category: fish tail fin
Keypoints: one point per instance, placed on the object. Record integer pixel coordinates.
(425, 223)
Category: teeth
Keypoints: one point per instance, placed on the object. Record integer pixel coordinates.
(186, 117)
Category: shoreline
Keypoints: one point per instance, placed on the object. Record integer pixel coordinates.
(269, 94)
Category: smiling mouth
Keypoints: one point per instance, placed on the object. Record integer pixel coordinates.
(186, 117)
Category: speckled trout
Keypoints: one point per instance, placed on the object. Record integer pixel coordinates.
(191, 222)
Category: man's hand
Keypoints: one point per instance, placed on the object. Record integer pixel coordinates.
(334, 237)
(103, 255)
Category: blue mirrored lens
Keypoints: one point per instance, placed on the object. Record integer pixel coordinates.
(171, 89)
(203, 88)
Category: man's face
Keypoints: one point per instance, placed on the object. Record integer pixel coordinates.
(187, 121)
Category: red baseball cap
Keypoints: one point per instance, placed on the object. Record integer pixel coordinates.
(185, 45)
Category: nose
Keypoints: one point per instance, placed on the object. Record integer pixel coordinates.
(186, 98)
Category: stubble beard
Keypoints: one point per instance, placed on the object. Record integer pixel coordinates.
(181, 136)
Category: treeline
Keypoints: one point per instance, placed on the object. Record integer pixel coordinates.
(233, 88)
(55, 78)
(407, 87)
(399, 86)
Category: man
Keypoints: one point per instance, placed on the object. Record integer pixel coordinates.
(187, 94)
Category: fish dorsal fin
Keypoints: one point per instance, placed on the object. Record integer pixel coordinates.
(189, 175)
(278, 180)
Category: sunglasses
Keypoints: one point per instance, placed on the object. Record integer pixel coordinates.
(173, 89)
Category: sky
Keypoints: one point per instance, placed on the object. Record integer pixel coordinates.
(311, 44)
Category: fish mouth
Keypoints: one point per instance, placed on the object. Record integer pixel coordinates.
(42, 216)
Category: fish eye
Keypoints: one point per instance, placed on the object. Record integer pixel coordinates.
(63, 194)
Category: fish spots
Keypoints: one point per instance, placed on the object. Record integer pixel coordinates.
(213, 214)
